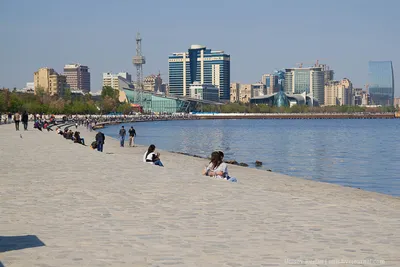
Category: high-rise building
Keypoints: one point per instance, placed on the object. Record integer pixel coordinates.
(78, 77)
(338, 93)
(49, 81)
(381, 82)
(328, 73)
(202, 65)
(271, 83)
(118, 81)
(308, 80)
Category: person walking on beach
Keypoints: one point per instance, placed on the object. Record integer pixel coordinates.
(100, 138)
(25, 118)
(132, 134)
(17, 119)
(122, 134)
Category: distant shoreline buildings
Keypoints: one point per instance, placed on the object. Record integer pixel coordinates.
(200, 72)
(76, 77)
(318, 82)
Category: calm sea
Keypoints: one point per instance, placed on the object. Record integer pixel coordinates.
(358, 153)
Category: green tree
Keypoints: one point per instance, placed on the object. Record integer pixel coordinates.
(110, 92)
(3, 104)
(15, 103)
(124, 108)
(109, 104)
(67, 95)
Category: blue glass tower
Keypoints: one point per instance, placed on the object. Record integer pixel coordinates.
(202, 65)
(381, 82)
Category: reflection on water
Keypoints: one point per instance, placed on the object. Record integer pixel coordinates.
(357, 153)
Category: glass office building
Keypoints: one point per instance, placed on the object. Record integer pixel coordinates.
(201, 65)
(158, 103)
(381, 82)
(305, 80)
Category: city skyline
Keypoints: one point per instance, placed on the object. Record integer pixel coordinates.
(343, 35)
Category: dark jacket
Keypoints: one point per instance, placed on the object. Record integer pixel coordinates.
(100, 138)
(132, 132)
(25, 117)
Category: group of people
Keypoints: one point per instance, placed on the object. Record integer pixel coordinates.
(122, 134)
(70, 135)
(217, 168)
(17, 118)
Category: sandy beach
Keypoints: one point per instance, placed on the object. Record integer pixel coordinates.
(81, 207)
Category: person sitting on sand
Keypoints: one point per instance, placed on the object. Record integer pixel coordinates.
(78, 139)
(152, 157)
(216, 168)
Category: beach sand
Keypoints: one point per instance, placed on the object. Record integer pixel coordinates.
(111, 209)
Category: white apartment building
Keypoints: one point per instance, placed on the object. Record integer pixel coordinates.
(117, 81)
(339, 93)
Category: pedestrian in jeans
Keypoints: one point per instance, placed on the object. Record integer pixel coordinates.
(122, 134)
(25, 119)
(132, 134)
(17, 119)
(100, 138)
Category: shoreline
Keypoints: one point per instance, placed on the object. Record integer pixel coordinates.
(233, 162)
(87, 208)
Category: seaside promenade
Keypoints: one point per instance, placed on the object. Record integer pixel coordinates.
(64, 204)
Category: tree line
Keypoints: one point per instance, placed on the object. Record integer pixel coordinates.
(42, 103)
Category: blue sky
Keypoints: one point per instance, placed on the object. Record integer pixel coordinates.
(260, 35)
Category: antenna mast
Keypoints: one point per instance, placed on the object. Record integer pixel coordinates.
(138, 61)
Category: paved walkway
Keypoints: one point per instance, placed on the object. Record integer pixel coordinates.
(63, 204)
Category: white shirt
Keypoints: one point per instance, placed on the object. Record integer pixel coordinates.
(223, 167)
(149, 157)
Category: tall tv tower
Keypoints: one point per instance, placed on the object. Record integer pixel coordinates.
(138, 61)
